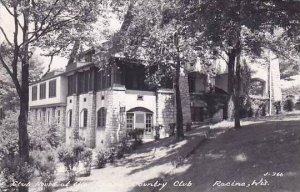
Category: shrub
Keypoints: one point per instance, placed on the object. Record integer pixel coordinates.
(14, 169)
(86, 158)
(157, 134)
(9, 135)
(131, 146)
(288, 105)
(101, 158)
(104, 156)
(277, 106)
(136, 134)
(120, 150)
(46, 167)
(67, 156)
(127, 145)
(78, 147)
(54, 136)
(258, 107)
(38, 137)
(110, 154)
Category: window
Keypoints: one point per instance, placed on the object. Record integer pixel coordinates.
(148, 122)
(83, 118)
(52, 88)
(257, 87)
(139, 118)
(71, 84)
(85, 81)
(129, 120)
(69, 118)
(101, 117)
(197, 82)
(192, 84)
(140, 97)
(34, 93)
(103, 80)
(43, 91)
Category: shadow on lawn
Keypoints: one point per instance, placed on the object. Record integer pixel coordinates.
(243, 155)
(144, 162)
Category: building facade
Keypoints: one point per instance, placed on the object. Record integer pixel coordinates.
(103, 103)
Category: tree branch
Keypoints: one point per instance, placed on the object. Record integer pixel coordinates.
(37, 29)
(47, 29)
(15, 80)
(16, 47)
(5, 36)
(226, 60)
(51, 59)
(10, 12)
(7, 9)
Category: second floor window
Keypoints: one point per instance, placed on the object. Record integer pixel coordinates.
(52, 88)
(84, 79)
(43, 91)
(34, 93)
(103, 80)
(71, 84)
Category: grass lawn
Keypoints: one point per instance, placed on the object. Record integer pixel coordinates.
(264, 156)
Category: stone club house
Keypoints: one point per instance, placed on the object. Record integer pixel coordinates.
(103, 104)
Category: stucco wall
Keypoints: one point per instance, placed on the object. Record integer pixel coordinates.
(165, 107)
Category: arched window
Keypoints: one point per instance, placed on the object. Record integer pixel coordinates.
(257, 87)
(69, 118)
(83, 118)
(101, 117)
(139, 117)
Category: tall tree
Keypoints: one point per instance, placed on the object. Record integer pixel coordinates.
(36, 21)
(224, 26)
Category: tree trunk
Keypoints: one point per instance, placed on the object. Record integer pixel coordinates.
(23, 141)
(237, 77)
(237, 89)
(24, 100)
(231, 66)
(179, 116)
